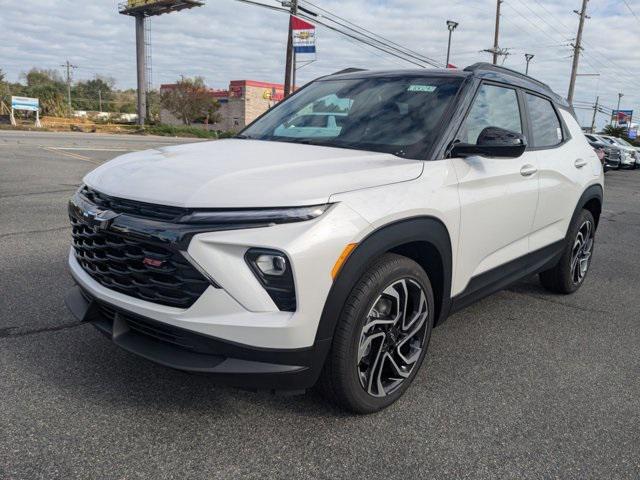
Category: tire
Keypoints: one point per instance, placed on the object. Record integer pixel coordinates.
(350, 374)
(572, 269)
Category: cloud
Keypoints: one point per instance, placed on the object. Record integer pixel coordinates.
(227, 40)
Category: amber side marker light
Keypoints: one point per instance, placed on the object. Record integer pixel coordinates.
(342, 259)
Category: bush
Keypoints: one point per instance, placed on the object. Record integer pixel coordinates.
(178, 131)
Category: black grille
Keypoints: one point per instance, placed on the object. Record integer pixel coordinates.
(136, 267)
(133, 208)
(164, 333)
(613, 154)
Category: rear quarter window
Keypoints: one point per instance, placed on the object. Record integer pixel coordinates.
(546, 128)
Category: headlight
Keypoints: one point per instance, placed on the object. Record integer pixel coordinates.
(257, 216)
(273, 270)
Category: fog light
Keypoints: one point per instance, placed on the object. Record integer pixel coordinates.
(273, 269)
(272, 264)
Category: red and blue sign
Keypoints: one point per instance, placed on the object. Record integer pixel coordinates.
(304, 36)
(623, 117)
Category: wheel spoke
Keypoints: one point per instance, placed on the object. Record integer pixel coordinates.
(366, 344)
(422, 307)
(401, 373)
(403, 283)
(416, 353)
(376, 373)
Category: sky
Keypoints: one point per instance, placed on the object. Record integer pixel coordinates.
(227, 40)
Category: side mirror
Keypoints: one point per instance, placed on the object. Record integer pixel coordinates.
(493, 142)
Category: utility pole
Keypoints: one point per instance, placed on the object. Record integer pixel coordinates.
(100, 99)
(68, 66)
(451, 26)
(595, 112)
(528, 57)
(290, 63)
(577, 48)
(496, 38)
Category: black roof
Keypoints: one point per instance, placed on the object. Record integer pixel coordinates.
(479, 70)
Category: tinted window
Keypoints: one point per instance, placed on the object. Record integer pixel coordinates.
(545, 125)
(492, 107)
(396, 115)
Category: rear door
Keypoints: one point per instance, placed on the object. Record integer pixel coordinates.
(498, 196)
(566, 163)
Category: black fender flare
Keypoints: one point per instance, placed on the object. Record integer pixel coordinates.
(591, 193)
(388, 237)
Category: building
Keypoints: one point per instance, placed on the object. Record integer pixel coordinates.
(240, 104)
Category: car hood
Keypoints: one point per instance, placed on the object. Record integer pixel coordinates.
(237, 173)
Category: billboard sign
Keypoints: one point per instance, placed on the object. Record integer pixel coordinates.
(140, 3)
(622, 117)
(304, 36)
(25, 103)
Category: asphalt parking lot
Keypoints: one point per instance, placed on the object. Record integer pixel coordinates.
(522, 385)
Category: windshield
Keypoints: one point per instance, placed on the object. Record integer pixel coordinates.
(623, 142)
(401, 116)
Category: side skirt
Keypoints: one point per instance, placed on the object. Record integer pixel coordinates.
(501, 277)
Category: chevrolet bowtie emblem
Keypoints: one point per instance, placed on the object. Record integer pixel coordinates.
(99, 217)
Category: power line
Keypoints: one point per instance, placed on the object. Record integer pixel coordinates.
(384, 39)
(544, 20)
(631, 10)
(383, 45)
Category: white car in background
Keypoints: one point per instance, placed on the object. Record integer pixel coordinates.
(623, 143)
(631, 155)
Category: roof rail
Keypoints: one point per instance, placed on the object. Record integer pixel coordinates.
(489, 66)
(350, 70)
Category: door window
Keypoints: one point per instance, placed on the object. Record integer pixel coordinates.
(493, 107)
(546, 128)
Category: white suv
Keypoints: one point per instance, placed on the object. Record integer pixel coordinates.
(278, 262)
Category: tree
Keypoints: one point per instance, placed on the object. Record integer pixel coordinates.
(48, 86)
(190, 100)
(619, 132)
(87, 95)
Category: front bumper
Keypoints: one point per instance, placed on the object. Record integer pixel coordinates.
(226, 362)
(628, 161)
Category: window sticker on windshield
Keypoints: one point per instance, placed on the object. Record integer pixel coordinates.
(422, 88)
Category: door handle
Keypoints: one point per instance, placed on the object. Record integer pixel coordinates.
(580, 163)
(528, 170)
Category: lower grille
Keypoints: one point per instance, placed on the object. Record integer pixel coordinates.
(135, 267)
(154, 330)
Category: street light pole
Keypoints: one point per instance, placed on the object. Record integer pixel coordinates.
(528, 57)
(451, 26)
